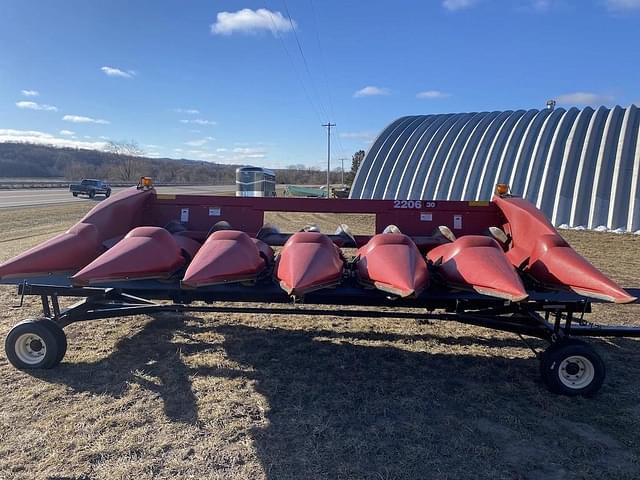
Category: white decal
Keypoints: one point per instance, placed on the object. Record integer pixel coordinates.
(214, 211)
(413, 204)
(457, 222)
(426, 216)
(184, 215)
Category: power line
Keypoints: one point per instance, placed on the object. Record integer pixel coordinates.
(343, 152)
(294, 68)
(328, 125)
(304, 58)
(325, 76)
(342, 159)
(323, 63)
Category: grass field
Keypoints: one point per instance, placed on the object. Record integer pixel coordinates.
(284, 397)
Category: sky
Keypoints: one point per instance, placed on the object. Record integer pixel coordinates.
(252, 82)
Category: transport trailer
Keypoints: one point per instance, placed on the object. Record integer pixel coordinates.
(499, 265)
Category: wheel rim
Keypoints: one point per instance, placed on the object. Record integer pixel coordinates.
(30, 348)
(576, 372)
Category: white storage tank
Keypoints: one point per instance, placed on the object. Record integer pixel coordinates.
(255, 182)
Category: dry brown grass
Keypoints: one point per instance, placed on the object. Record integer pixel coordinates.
(286, 397)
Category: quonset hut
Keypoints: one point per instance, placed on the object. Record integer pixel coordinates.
(579, 166)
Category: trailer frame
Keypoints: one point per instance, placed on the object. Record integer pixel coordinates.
(554, 316)
(546, 315)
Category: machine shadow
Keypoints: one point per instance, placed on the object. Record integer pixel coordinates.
(152, 352)
(352, 404)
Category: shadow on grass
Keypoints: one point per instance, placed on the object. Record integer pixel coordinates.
(349, 405)
(152, 352)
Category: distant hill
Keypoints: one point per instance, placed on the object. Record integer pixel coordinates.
(41, 161)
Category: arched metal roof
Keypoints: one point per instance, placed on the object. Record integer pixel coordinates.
(579, 166)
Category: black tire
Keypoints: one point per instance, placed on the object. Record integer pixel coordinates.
(33, 345)
(60, 336)
(75, 194)
(572, 367)
(544, 356)
(92, 194)
(107, 194)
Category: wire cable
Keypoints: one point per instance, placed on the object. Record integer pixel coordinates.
(323, 63)
(294, 68)
(304, 59)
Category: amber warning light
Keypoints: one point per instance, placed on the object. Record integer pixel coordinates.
(502, 189)
(145, 183)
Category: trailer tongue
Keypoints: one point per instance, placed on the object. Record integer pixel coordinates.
(508, 269)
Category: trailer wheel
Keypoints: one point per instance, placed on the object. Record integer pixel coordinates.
(60, 336)
(92, 194)
(572, 367)
(544, 356)
(75, 194)
(35, 344)
(107, 194)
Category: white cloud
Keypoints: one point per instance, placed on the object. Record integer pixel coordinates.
(357, 135)
(36, 106)
(584, 98)
(83, 119)
(253, 152)
(200, 142)
(453, 5)
(188, 111)
(432, 94)
(198, 121)
(619, 5)
(116, 72)
(41, 138)
(67, 132)
(237, 155)
(30, 93)
(249, 21)
(370, 91)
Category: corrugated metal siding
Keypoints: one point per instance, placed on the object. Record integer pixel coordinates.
(580, 167)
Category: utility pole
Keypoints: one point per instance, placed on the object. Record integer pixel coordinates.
(328, 125)
(342, 168)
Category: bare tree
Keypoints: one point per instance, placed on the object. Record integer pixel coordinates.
(129, 152)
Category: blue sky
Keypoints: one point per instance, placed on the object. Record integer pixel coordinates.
(225, 81)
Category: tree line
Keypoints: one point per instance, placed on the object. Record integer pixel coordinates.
(124, 162)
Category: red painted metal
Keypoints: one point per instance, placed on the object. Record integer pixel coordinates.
(535, 245)
(227, 256)
(66, 252)
(145, 252)
(478, 263)
(72, 250)
(308, 261)
(188, 246)
(391, 262)
(548, 258)
(247, 214)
